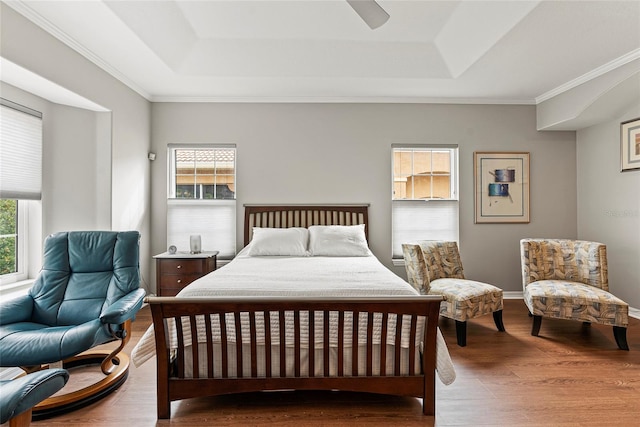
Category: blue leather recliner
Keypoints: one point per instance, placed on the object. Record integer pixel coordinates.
(87, 294)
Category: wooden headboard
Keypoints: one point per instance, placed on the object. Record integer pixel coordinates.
(285, 216)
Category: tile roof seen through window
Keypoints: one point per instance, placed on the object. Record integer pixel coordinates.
(205, 155)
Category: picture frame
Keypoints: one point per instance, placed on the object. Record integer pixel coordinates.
(630, 145)
(501, 187)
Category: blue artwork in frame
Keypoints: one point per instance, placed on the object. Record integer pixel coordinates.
(501, 187)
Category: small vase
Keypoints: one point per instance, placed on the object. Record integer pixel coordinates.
(196, 244)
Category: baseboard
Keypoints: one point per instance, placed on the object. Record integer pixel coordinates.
(512, 294)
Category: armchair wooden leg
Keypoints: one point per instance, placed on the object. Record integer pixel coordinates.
(461, 333)
(535, 329)
(497, 318)
(620, 335)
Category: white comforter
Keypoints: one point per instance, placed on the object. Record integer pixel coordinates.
(300, 276)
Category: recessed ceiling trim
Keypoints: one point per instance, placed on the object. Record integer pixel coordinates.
(342, 99)
(595, 73)
(24, 79)
(24, 9)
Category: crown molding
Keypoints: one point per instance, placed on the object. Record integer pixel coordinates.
(341, 100)
(597, 72)
(23, 8)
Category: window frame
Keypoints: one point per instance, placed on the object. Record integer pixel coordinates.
(453, 167)
(26, 195)
(173, 173)
(440, 204)
(22, 234)
(188, 209)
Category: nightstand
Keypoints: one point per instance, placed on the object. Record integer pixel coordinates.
(175, 271)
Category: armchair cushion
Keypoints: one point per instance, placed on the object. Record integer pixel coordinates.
(466, 299)
(575, 301)
(28, 343)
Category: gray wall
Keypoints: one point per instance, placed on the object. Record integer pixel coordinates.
(341, 153)
(70, 188)
(609, 204)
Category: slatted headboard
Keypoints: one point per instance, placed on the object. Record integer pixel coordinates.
(285, 216)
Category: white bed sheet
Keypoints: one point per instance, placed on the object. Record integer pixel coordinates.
(300, 277)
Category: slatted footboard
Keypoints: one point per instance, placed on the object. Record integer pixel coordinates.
(215, 365)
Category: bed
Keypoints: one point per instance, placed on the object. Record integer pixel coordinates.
(305, 305)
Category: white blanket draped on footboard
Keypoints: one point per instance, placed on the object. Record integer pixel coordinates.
(335, 277)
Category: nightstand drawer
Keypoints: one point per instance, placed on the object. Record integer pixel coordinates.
(181, 266)
(177, 280)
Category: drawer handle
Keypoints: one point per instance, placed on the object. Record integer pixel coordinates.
(179, 266)
(179, 281)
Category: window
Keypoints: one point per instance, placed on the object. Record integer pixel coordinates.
(425, 194)
(203, 173)
(8, 236)
(201, 197)
(20, 181)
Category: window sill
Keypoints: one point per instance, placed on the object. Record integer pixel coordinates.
(16, 289)
(398, 262)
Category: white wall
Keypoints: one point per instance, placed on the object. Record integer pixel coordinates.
(609, 204)
(122, 138)
(341, 153)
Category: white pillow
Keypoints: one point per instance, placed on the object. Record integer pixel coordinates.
(338, 240)
(279, 242)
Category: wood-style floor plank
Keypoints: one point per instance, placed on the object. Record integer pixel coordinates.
(569, 376)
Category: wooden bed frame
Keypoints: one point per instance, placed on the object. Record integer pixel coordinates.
(173, 384)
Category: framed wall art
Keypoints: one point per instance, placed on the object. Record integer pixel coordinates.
(501, 187)
(630, 144)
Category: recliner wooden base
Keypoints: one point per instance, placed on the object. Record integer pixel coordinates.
(69, 401)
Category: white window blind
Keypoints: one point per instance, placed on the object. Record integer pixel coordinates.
(20, 152)
(423, 220)
(213, 220)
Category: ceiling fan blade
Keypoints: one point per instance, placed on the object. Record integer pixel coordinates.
(370, 12)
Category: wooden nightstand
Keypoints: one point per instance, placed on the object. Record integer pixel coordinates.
(175, 271)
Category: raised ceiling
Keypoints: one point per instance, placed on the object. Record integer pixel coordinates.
(428, 51)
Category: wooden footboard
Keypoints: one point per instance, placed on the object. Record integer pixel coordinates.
(191, 315)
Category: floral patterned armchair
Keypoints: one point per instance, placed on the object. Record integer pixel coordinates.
(568, 279)
(434, 268)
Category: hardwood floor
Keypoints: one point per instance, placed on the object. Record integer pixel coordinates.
(571, 375)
